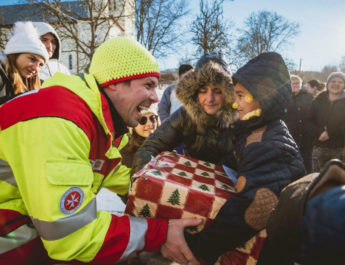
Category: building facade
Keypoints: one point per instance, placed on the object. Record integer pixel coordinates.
(82, 25)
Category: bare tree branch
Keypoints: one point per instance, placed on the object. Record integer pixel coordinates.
(210, 31)
(265, 31)
(87, 26)
(156, 23)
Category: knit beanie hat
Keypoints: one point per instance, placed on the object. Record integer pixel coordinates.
(216, 57)
(120, 59)
(335, 74)
(25, 39)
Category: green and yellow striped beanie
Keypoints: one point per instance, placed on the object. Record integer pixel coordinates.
(120, 59)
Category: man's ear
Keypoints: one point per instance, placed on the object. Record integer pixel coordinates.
(112, 87)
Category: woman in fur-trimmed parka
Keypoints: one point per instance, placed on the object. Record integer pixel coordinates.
(202, 124)
(268, 158)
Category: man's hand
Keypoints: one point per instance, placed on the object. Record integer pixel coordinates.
(175, 247)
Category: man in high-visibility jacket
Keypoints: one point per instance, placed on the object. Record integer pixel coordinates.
(59, 145)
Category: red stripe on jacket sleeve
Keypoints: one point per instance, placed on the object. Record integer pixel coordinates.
(10, 220)
(115, 241)
(155, 235)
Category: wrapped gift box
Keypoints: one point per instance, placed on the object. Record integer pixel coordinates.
(173, 186)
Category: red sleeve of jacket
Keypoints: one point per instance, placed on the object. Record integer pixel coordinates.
(117, 240)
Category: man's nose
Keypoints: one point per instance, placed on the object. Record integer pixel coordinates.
(153, 96)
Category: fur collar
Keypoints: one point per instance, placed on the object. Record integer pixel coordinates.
(187, 92)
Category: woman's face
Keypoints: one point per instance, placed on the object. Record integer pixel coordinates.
(147, 125)
(211, 99)
(336, 86)
(28, 64)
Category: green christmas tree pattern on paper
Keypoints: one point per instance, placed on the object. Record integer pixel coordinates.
(145, 211)
(174, 198)
(156, 173)
(225, 187)
(182, 174)
(204, 187)
(188, 164)
(207, 164)
(205, 174)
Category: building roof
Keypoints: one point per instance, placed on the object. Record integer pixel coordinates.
(35, 12)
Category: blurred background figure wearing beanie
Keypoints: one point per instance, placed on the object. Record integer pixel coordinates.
(25, 56)
(297, 120)
(57, 155)
(52, 42)
(202, 123)
(327, 115)
(169, 103)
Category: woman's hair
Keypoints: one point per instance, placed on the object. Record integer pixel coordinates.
(20, 84)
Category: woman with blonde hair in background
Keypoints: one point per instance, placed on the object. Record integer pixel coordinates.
(25, 55)
(147, 125)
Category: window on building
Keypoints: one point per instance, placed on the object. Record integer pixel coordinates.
(70, 62)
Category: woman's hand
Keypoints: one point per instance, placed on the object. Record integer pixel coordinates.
(324, 136)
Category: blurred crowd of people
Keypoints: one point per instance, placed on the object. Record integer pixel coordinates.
(99, 128)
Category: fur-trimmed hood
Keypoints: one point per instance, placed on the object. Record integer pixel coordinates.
(187, 92)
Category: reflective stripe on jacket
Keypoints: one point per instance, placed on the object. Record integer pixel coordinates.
(57, 149)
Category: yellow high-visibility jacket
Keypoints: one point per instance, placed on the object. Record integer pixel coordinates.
(58, 147)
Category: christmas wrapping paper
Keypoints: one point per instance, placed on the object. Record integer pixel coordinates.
(173, 186)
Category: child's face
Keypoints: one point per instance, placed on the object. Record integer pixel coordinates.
(244, 101)
(211, 99)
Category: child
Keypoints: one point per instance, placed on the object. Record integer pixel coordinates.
(267, 155)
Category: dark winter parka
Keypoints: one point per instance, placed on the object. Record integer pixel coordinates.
(298, 122)
(6, 87)
(204, 136)
(268, 161)
(330, 114)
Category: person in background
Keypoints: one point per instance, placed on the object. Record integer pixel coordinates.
(328, 119)
(202, 123)
(267, 155)
(321, 89)
(297, 120)
(169, 102)
(25, 56)
(313, 86)
(147, 125)
(60, 146)
(52, 42)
